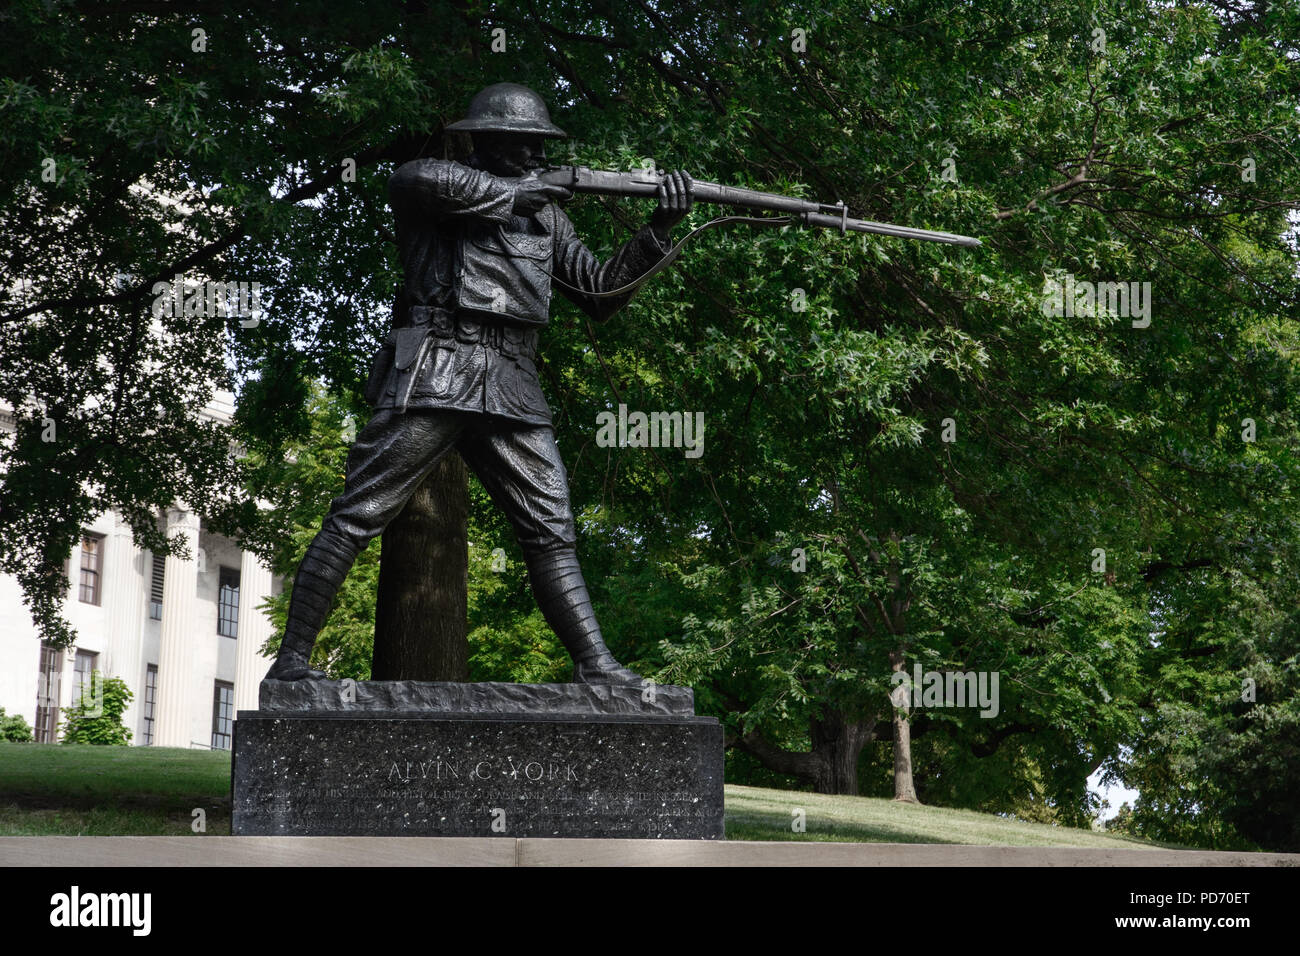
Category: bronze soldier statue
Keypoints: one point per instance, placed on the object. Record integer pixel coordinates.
(480, 244)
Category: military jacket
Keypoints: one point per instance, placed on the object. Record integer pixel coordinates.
(477, 290)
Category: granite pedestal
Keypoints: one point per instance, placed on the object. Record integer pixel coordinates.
(406, 758)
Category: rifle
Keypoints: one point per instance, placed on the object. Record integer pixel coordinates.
(645, 183)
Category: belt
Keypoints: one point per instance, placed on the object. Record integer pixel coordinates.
(431, 316)
(512, 341)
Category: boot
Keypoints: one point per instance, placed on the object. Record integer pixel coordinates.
(562, 595)
(323, 569)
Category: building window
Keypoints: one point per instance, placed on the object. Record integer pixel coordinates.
(83, 666)
(47, 695)
(150, 695)
(156, 586)
(92, 557)
(228, 603)
(223, 714)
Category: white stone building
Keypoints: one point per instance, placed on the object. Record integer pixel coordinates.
(183, 634)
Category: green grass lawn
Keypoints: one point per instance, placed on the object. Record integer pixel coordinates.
(62, 790)
(758, 814)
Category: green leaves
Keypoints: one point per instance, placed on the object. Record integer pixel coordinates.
(96, 717)
(947, 454)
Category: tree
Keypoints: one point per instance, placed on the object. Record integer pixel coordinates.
(14, 728)
(96, 716)
(978, 480)
(1076, 434)
(298, 479)
(421, 605)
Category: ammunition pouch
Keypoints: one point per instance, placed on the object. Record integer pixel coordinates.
(407, 352)
(410, 346)
(379, 371)
(512, 341)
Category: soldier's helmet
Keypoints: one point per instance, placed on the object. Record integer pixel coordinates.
(508, 108)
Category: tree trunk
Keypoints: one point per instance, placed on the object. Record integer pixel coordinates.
(420, 614)
(904, 788)
(839, 743)
(831, 766)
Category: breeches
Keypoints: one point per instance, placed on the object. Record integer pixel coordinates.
(518, 464)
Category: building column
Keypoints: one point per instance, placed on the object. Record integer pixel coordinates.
(254, 629)
(175, 705)
(124, 599)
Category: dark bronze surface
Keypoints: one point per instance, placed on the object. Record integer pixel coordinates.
(480, 244)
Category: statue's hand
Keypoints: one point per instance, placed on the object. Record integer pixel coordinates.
(532, 195)
(676, 196)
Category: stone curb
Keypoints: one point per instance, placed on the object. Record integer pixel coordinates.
(504, 851)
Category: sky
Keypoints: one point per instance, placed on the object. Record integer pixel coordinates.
(1115, 794)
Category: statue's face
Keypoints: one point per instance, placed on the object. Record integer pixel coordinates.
(509, 154)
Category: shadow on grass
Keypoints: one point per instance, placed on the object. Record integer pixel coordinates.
(772, 827)
(773, 815)
(18, 820)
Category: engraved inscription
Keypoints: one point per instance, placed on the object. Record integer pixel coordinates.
(439, 769)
